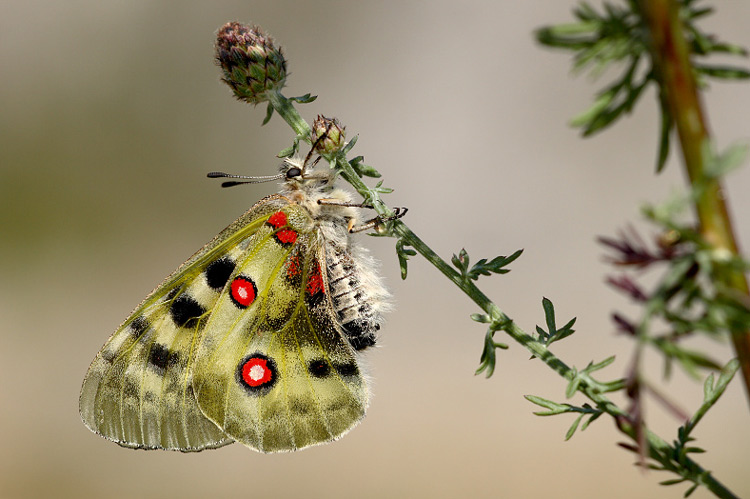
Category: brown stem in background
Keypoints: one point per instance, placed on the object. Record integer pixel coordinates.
(671, 59)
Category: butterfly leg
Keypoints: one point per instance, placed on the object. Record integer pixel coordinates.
(339, 202)
(377, 221)
(372, 223)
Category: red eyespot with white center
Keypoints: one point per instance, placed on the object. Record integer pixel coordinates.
(257, 372)
(243, 291)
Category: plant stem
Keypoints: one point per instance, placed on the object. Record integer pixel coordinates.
(671, 59)
(286, 110)
(658, 449)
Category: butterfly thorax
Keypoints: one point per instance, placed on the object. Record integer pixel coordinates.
(315, 191)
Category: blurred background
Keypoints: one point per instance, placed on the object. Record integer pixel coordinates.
(112, 113)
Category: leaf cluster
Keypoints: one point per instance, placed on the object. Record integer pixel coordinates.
(482, 267)
(552, 333)
(687, 298)
(675, 458)
(574, 385)
(616, 38)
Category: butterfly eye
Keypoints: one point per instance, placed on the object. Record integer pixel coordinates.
(293, 172)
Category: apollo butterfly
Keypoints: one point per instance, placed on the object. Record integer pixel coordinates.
(256, 338)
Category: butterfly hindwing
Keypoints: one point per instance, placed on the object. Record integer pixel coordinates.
(273, 369)
(137, 391)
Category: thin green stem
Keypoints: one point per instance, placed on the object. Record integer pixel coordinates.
(658, 449)
(286, 110)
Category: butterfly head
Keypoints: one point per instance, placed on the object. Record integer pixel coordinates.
(303, 184)
(302, 177)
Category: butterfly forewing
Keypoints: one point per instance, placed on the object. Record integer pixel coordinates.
(137, 391)
(273, 370)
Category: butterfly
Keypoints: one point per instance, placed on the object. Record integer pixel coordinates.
(256, 338)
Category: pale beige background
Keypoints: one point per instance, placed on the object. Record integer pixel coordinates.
(112, 113)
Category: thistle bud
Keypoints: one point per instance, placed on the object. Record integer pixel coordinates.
(250, 62)
(327, 135)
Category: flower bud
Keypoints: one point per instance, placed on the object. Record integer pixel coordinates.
(327, 135)
(250, 62)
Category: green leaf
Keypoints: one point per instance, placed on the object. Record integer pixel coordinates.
(348, 146)
(553, 334)
(496, 265)
(690, 491)
(591, 419)
(719, 165)
(554, 407)
(488, 358)
(589, 115)
(304, 99)
(600, 365)
(269, 113)
(483, 318)
(461, 262)
(542, 333)
(612, 386)
(573, 428)
(573, 385)
(673, 481)
(549, 314)
(382, 190)
(362, 169)
(666, 127)
(708, 387)
(403, 252)
(723, 72)
(694, 450)
(726, 376)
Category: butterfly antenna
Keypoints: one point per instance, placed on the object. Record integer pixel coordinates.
(247, 180)
(312, 150)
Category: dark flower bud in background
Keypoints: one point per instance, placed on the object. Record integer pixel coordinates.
(250, 62)
(327, 135)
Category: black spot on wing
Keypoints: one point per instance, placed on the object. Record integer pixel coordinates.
(130, 387)
(218, 272)
(160, 357)
(348, 369)
(139, 325)
(319, 368)
(186, 311)
(108, 355)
